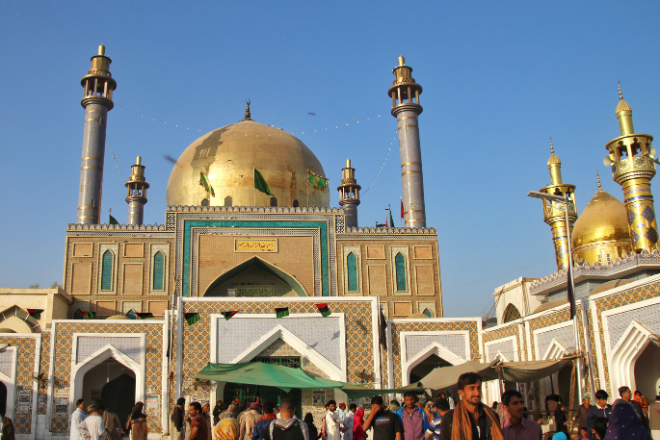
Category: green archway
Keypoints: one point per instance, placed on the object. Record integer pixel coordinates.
(255, 264)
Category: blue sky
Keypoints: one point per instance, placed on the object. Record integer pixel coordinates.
(499, 79)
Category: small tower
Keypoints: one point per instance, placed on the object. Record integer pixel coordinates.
(554, 213)
(631, 158)
(349, 195)
(97, 102)
(136, 193)
(405, 108)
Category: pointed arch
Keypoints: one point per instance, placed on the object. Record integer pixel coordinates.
(351, 272)
(264, 265)
(107, 266)
(428, 313)
(511, 313)
(158, 280)
(437, 349)
(630, 347)
(555, 350)
(400, 269)
(228, 201)
(273, 201)
(23, 315)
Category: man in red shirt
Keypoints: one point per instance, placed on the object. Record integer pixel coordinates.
(199, 428)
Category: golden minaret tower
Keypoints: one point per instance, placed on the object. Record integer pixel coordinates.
(631, 158)
(554, 212)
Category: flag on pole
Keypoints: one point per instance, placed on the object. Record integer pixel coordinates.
(35, 313)
(112, 220)
(324, 310)
(230, 314)
(402, 213)
(316, 181)
(571, 295)
(387, 225)
(191, 318)
(204, 181)
(81, 314)
(391, 219)
(260, 183)
(281, 312)
(132, 314)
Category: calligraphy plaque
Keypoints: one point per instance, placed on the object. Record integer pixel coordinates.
(254, 291)
(255, 245)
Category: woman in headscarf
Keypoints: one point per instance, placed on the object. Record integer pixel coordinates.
(313, 431)
(137, 423)
(358, 432)
(624, 423)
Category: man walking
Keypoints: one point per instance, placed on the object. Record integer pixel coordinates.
(199, 428)
(626, 395)
(177, 418)
(287, 427)
(386, 424)
(6, 427)
(654, 418)
(517, 427)
(269, 415)
(348, 422)
(247, 420)
(412, 417)
(600, 409)
(582, 415)
(78, 416)
(471, 418)
(93, 427)
(331, 421)
(440, 408)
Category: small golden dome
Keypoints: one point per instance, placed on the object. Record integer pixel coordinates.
(622, 106)
(228, 156)
(603, 219)
(554, 160)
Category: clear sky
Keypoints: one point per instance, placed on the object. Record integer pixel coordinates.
(499, 79)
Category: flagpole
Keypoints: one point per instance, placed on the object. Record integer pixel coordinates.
(254, 187)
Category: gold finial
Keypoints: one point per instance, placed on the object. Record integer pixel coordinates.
(598, 179)
(138, 160)
(102, 49)
(620, 93)
(552, 147)
(402, 61)
(248, 115)
(348, 163)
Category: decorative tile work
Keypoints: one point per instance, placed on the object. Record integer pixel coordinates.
(88, 345)
(503, 332)
(564, 335)
(44, 363)
(620, 299)
(26, 350)
(415, 344)
(506, 347)
(196, 337)
(398, 327)
(62, 355)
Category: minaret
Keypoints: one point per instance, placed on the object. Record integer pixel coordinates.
(97, 101)
(136, 193)
(554, 213)
(349, 195)
(405, 108)
(631, 158)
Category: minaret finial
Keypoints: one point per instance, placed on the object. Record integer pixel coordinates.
(248, 115)
(552, 147)
(620, 92)
(598, 179)
(101, 49)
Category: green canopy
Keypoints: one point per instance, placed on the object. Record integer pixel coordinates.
(258, 373)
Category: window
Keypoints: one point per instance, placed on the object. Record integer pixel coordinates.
(228, 201)
(400, 265)
(351, 269)
(273, 201)
(205, 202)
(296, 204)
(106, 270)
(159, 271)
(428, 313)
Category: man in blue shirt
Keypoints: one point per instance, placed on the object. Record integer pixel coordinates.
(440, 407)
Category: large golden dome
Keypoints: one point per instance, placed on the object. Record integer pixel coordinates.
(601, 233)
(228, 156)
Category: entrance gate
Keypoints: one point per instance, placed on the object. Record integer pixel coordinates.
(249, 393)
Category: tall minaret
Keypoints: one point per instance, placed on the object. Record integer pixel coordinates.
(136, 193)
(405, 108)
(97, 101)
(631, 157)
(349, 195)
(554, 213)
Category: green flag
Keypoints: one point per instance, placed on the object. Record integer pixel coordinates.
(281, 312)
(391, 220)
(191, 318)
(228, 315)
(113, 221)
(260, 183)
(316, 181)
(204, 181)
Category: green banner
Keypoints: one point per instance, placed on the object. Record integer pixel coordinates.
(260, 183)
(316, 181)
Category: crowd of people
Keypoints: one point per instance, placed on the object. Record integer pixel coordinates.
(631, 416)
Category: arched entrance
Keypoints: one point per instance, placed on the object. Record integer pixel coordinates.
(114, 384)
(647, 371)
(255, 278)
(3, 399)
(426, 366)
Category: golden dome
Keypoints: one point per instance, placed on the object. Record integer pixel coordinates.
(604, 222)
(622, 106)
(554, 160)
(228, 156)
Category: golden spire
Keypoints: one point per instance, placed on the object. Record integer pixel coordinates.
(624, 115)
(102, 49)
(620, 92)
(598, 179)
(248, 115)
(402, 61)
(552, 147)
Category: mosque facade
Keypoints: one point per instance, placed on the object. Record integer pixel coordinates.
(236, 274)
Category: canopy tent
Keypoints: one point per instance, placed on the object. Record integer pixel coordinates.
(259, 373)
(446, 377)
(354, 392)
(531, 371)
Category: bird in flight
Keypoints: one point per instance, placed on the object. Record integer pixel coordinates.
(311, 113)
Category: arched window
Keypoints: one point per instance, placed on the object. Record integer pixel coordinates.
(296, 204)
(428, 313)
(400, 265)
(511, 313)
(351, 269)
(228, 201)
(205, 202)
(273, 201)
(159, 271)
(106, 270)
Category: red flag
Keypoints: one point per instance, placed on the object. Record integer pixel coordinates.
(402, 213)
(387, 225)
